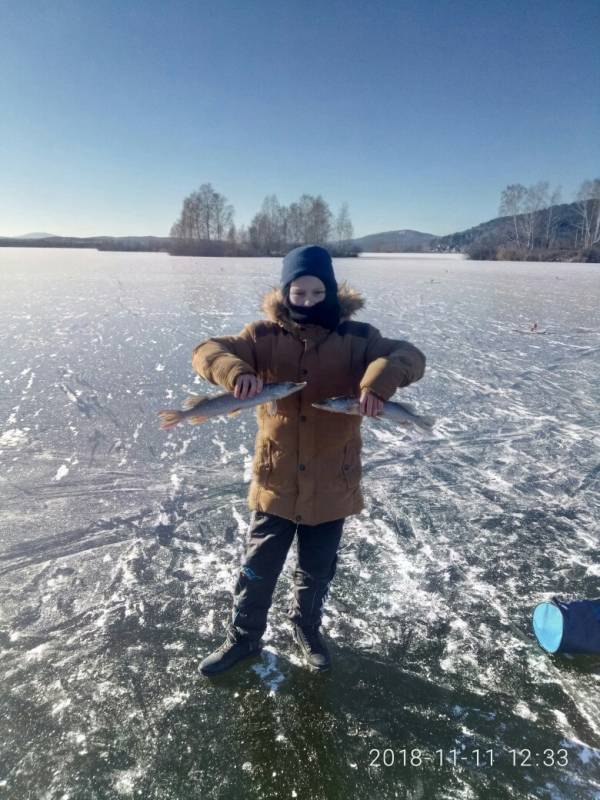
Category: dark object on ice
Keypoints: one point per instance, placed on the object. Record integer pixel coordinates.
(568, 627)
(228, 654)
(313, 647)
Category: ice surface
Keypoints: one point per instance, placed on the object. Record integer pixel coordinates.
(120, 542)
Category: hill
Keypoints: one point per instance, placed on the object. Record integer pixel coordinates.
(399, 241)
(552, 228)
(35, 236)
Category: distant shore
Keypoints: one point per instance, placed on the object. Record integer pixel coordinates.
(219, 249)
(484, 252)
(162, 244)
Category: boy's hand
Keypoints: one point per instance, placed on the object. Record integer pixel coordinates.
(247, 385)
(370, 404)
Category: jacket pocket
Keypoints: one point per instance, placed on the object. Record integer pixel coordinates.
(351, 466)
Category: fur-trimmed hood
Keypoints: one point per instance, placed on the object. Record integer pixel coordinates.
(275, 310)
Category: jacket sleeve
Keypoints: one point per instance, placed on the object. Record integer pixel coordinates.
(391, 363)
(221, 359)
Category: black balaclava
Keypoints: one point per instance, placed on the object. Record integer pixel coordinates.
(311, 260)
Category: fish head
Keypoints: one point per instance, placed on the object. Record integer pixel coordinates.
(287, 387)
(280, 389)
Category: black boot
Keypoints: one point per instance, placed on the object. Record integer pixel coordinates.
(313, 647)
(228, 654)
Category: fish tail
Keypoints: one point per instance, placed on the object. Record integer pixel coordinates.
(425, 421)
(169, 418)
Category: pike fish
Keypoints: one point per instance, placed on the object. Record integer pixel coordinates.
(198, 408)
(402, 413)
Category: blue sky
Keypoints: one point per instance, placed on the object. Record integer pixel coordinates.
(415, 113)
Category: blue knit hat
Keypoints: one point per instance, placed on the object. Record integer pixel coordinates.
(310, 259)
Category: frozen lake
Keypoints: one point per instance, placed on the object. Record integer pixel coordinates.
(120, 542)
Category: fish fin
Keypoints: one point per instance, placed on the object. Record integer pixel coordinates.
(234, 412)
(197, 419)
(169, 417)
(193, 400)
(271, 408)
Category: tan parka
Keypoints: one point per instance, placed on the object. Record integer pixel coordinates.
(307, 465)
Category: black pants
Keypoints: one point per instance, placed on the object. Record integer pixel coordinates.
(269, 539)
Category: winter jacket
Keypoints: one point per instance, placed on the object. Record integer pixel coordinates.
(307, 464)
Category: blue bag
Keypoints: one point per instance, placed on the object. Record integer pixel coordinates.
(568, 627)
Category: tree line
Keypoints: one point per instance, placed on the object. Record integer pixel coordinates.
(206, 225)
(531, 228)
(535, 224)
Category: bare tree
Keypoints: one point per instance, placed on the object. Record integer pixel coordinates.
(222, 215)
(203, 208)
(535, 199)
(305, 204)
(294, 224)
(307, 221)
(317, 218)
(268, 229)
(511, 205)
(276, 215)
(259, 231)
(242, 235)
(187, 226)
(588, 208)
(205, 215)
(343, 225)
(525, 205)
(550, 218)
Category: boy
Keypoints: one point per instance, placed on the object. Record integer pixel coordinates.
(306, 468)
